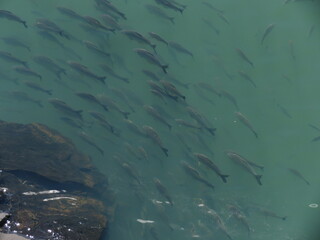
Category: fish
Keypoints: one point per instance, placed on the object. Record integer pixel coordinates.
(110, 8)
(131, 171)
(65, 108)
(172, 79)
(48, 36)
(223, 17)
(253, 164)
(284, 111)
(110, 71)
(94, 48)
(111, 21)
(158, 38)
(71, 122)
(231, 98)
(154, 136)
(50, 65)
(184, 143)
(70, 13)
(11, 16)
(237, 214)
(210, 164)
(170, 5)
(121, 95)
(85, 71)
(186, 124)
(267, 32)
(201, 120)
(37, 87)
(246, 122)
(269, 213)
(208, 87)
(163, 190)
(89, 140)
(47, 25)
(90, 98)
(291, 49)
(97, 24)
(98, 116)
(242, 162)
(111, 104)
(151, 58)
(176, 46)
(4, 76)
(209, 5)
(171, 90)
(195, 174)
(151, 75)
(143, 153)
(10, 58)
(210, 25)
(27, 71)
(159, 13)
(133, 35)
(311, 30)
(22, 96)
(218, 220)
(201, 94)
(244, 57)
(314, 127)
(15, 42)
(154, 86)
(299, 175)
(247, 77)
(156, 115)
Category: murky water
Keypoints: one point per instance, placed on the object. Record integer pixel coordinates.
(248, 69)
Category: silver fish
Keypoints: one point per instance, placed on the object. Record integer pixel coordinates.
(154, 136)
(37, 87)
(246, 122)
(85, 71)
(210, 164)
(27, 71)
(10, 58)
(11, 16)
(151, 58)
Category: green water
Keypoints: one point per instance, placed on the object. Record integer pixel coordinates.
(286, 75)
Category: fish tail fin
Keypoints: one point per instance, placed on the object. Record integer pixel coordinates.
(183, 97)
(181, 10)
(211, 130)
(102, 79)
(165, 151)
(255, 134)
(125, 80)
(40, 77)
(126, 114)
(39, 104)
(169, 126)
(28, 49)
(171, 20)
(154, 48)
(101, 151)
(284, 218)
(164, 68)
(258, 178)
(25, 24)
(105, 108)
(224, 178)
(49, 92)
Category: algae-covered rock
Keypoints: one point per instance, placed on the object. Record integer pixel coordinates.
(50, 190)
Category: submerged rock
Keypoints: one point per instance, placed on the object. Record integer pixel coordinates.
(49, 189)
